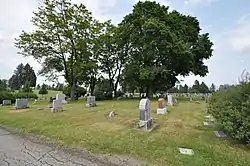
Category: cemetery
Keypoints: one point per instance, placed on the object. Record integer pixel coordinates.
(122, 86)
(133, 127)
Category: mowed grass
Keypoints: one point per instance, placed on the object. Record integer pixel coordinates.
(89, 128)
(51, 93)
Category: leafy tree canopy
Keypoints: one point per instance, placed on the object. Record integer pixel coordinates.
(163, 45)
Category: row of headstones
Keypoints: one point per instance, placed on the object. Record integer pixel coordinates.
(60, 100)
(19, 104)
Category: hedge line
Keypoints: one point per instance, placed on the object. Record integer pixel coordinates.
(13, 96)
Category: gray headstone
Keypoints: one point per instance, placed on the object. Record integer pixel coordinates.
(91, 101)
(61, 97)
(21, 103)
(145, 110)
(56, 106)
(170, 100)
(6, 102)
(220, 134)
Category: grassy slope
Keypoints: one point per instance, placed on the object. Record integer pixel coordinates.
(89, 128)
(51, 93)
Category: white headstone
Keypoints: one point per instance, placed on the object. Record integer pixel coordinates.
(21, 104)
(56, 106)
(170, 100)
(61, 97)
(6, 102)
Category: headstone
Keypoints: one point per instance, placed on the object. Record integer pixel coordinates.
(208, 124)
(21, 104)
(145, 110)
(146, 121)
(170, 100)
(191, 99)
(220, 134)
(186, 151)
(61, 97)
(91, 101)
(6, 102)
(161, 106)
(56, 106)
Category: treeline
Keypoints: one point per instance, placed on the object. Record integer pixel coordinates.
(197, 87)
(146, 51)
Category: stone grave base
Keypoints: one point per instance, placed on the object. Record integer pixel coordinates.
(56, 110)
(91, 105)
(18, 108)
(145, 125)
(162, 111)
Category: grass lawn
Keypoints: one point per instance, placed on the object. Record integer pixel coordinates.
(89, 128)
(51, 93)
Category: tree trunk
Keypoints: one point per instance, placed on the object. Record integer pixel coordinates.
(149, 92)
(73, 89)
(92, 87)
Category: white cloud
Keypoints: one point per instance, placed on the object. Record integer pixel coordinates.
(196, 2)
(237, 38)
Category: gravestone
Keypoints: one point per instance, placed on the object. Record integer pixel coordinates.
(161, 106)
(21, 104)
(91, 101)
(56, 106)
(146, 121)
(61, 97)
(208, 124)
(186, 151)
(220, 134)
(170, 100)
(6, 102)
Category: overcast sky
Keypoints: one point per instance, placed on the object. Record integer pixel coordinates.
(227, 21)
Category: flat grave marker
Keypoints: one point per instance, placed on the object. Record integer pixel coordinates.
(186, 151)
(220, 134)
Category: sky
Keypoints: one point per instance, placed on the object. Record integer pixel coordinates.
(227, 22)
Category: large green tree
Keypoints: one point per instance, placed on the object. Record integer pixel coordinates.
(162, 46)
(61, 41)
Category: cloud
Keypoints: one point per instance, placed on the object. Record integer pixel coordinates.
(237, 38)
(198, 2)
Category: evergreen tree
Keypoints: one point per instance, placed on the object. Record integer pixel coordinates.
(203, 88)
(26, 88)
(185, 89)
(212, 88)
(43, 90)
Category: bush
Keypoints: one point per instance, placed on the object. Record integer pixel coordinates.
(23, 95)
(7, 96)
(4, 95)
(231, 108)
